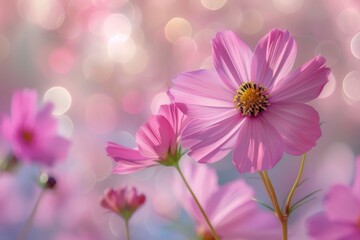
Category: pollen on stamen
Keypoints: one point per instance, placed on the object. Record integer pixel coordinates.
(251, 99)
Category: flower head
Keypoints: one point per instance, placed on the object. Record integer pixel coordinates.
(230, 208)
(157, 140)
(341, 216)
(32, 132)
(252, 103)
(122, 201)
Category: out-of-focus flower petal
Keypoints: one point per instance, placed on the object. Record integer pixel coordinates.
(230, 208)
(197, 177)
(23, 106)
(31, 132)
(356, 183)
(341, 205)
(123, 201)
(321, 228)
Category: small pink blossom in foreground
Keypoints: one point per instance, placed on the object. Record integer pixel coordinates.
(340, 219)
(252, 103)
(122, 201)
(157, 140)
(31, 132)
(230, 208)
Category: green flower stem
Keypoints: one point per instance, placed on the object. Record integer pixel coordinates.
(272, 194)
(288, 201)
(127, 232)
(29, 221)
(215, 235)
(283, 217)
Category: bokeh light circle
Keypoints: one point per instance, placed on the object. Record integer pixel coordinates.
(60, 97)
(287, 6)
(213, 4)
(177, 28)
(355, 45)
(121, 51)
(117, 25)
(348, 20)
(329, 88)
(351, 85)
(158, 100)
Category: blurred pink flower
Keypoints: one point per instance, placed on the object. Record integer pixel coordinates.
(31, 132)
(157, 139)
(122, 201)
(252, 103)
(230, 208)
(341, 216)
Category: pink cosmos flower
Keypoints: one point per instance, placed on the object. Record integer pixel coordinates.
(157, 140)
(32, 132)
(230, 208)
(252, 103)
(340, 219)
(122, 201)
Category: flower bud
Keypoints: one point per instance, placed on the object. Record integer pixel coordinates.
(123, 201)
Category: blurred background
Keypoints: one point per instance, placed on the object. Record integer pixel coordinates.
(106, 65)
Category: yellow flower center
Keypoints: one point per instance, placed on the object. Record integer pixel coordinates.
(251, 99)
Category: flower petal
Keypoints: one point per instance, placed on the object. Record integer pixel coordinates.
(197, 176)
(202, 92)
(304, 84)
(50, 150)
(45, 122)
(259, 146)
(297, 123)
(235, 215)
(211, 140)
(230, 203)
(232, 59)
(356, 183)
(23, 106)
(156, 137)
(176, 118)
(273, 57)
(128, 160)
(320, 227)
(342, 205)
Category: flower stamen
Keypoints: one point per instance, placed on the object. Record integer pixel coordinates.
(251, 99)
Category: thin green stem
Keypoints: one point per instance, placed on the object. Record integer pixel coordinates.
(212, 229)
(127, 232)
(288, 202)
(29, 221)
(272, 195)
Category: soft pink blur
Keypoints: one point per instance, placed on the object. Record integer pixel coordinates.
(106, 66)
(341, 216)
